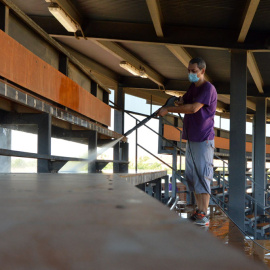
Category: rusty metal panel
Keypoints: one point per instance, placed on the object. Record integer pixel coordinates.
(171, 133)
(27, 70)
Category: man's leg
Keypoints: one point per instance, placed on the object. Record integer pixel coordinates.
(197, 199)
(203, 201)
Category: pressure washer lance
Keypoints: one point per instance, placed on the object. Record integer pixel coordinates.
(169, 103)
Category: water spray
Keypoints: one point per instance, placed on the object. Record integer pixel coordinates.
(92, 155)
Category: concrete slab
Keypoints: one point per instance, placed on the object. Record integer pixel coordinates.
(98, 221)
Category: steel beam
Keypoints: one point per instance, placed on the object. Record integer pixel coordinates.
(248, 16)
(220, 39)
(44, 141)
(156, 16)
(259, 151)
(182, 85)
(237, 160)
(255, 72)
(21, 97)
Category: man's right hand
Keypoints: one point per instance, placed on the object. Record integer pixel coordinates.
(178, 102)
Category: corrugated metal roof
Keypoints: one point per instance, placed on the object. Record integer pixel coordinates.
(115, 10)
(208, 13)
(261, 21)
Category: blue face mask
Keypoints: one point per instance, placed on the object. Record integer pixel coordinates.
(193, 77)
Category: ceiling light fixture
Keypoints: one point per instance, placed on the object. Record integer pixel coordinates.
(137, 72)
(63, 18)
(220, 110)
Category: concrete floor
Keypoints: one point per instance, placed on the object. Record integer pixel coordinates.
(97, 221)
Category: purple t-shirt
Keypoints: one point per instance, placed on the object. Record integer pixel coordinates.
(199, 126)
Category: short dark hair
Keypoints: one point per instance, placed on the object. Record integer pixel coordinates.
(199, 61)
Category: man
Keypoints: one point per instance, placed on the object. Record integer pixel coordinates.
(199, 106)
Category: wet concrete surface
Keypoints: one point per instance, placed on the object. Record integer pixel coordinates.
(228, 233)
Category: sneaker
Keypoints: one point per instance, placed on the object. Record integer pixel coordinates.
(202, 219)
(193, 217)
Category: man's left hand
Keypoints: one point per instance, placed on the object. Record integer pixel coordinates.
(162, 112)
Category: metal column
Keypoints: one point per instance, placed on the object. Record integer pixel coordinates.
(44, 141)
(174, 165)
(237, 163)
(5, 143)
(166, 188)
(124, 166)
(92, 148)
(118, 125)
(119, 115)
(258, 162)
(94, 88)
(158, 189)
(63, 64)
(4, 17)
(116, 156)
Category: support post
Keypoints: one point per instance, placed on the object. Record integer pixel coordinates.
(44, 141)
(237, 159)
(63, 64)
(92, 148)
(119, 114)
(166, 188)
(124, 166)
(116, 156)
(5, 143)
(118, 125)
(136, 148)
(258, 162)
(158, 189)
(105, 97)
(94, 87)
(4, 17)
(174, 165)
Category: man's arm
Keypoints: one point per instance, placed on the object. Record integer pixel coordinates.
(185, 108)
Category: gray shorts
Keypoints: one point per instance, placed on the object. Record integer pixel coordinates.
(202, 153)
